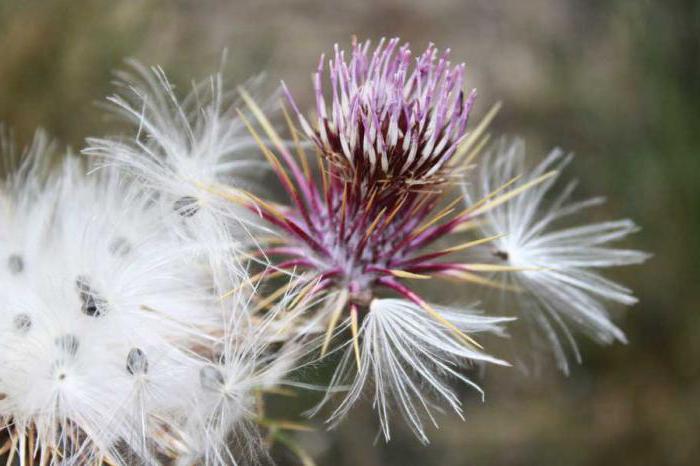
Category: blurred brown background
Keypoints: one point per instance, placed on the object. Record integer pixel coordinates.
(616, 82)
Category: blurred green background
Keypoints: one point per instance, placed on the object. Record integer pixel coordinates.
(616, 82)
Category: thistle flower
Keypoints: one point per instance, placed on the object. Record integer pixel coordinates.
(557, 265)
(388, 124)
(391, 146)
(131, 330)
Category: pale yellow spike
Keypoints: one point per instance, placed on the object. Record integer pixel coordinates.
(355, 337)
(374, 224)
(262, 119)
(304, 458)
(447, 210)
(6, 446)
(271, 239)
(55, 452)
(343, 203)
(272, 297)
(169, 316)
(245, 198)
(259, 403)
(490, 195)
(285, 425)
(404, 274)
(433, 221)
(301, 153)
(304, 291)
(453, 203)
(335, 316)
(477, 132)
(269, 155)
(512, 193)
(252, 281)
(370, 203)
(238, 196)
(498, 268)
(32, 439)
(270, 208)
(476, 151)
(13, 450)
(477, 280)
(470, 244)
(322, 171)
(468, 226)
(395, 211)
(418, 205)
(438, 317)
(281, 391)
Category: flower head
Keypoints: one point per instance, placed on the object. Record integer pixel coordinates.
(389, 150)
(390, 120)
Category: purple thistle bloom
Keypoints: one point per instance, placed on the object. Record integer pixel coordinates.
(388, 148)
(388, 123)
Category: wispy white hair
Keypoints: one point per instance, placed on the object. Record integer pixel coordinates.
(251, 359)
(185, 151)
(100, 314)
(409, 358)
(558, 265)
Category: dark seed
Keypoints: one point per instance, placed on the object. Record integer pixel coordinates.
(211, 378)
(15, 263)
(186, 206)
(92, 304)
(120, 246)
(136, 362)
(503, 255)
(22, 322)
(2, 396)
(68, 344)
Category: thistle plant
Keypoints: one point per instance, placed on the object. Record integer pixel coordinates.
(156, 294)
(392, 147)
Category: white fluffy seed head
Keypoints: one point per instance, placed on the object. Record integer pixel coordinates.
(107, 316)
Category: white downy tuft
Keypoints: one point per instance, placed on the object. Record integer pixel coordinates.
(186, 151)
(558, 264)
(108, 318)
(410, 358)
